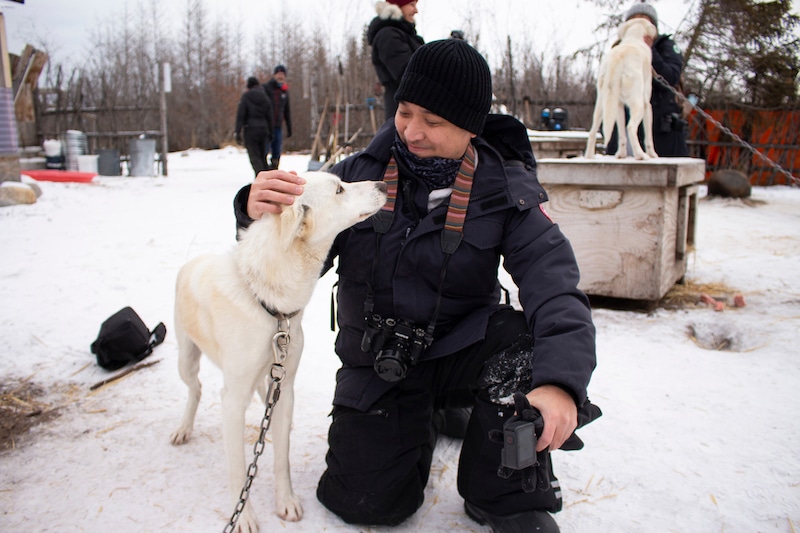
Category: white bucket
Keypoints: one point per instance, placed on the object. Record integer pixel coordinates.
(52, 148)
(87, 163)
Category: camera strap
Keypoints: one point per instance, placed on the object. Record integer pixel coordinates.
(452, 232)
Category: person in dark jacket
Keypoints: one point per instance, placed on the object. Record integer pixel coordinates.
(254, 118)
(669, 126)
(392, 34)
(278, 92)
(421, 324)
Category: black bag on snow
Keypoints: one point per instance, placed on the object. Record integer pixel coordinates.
(124, 339)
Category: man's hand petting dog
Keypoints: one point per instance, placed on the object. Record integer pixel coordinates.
(272, 190)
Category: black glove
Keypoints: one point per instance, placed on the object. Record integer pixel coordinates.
(520, 455)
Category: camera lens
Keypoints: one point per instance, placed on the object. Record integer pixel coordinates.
(389, 366)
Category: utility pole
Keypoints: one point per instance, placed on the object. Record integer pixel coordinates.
(166, 87)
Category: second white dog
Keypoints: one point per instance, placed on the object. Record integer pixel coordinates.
(626, 79)
(231, 307)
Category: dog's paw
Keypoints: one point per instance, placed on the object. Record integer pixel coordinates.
(247, 523)
(288, 507)
(181, 436)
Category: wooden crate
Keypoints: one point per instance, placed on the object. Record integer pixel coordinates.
(558, 144)
(630, 222)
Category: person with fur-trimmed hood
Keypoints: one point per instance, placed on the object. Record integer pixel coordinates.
(393, 37)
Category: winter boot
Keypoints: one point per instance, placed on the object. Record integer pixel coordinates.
(526, 522)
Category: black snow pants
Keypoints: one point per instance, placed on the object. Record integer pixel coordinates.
(379, 461)
(256, 140)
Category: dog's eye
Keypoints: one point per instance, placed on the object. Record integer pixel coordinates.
(340, 190)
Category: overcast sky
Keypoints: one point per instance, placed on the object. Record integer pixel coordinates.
(551, 25)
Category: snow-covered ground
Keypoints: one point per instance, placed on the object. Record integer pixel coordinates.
(692, 439)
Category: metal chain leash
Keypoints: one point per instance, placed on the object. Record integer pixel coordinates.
(791, 179)
(280, 347)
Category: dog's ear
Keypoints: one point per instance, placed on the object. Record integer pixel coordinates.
(306, 225)
(623, 28)
(295, 224)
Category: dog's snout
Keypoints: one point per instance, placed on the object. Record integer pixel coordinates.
(381, 186)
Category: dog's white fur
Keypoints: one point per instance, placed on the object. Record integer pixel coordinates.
(626, 78)
(218, 312)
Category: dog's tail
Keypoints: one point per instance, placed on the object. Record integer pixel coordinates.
(611, 109)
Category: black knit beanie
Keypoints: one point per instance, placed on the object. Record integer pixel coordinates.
(449, 78)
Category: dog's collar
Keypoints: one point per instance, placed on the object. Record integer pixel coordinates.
(277, 314)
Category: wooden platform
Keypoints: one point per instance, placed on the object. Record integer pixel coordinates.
(630, 222)
(557, 144)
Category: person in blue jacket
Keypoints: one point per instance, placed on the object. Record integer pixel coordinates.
(422, 327)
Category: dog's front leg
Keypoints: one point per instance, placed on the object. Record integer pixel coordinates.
(287, 504)
(234, 405)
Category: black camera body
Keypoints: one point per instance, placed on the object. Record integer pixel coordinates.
(519, 444)
(672, 122)
(396, 343)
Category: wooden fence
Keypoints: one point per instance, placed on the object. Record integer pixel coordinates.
(774, 133)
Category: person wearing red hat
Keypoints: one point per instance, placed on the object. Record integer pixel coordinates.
(278, 92)
(392, 34)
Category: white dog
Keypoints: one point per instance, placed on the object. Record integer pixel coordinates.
(224, 306)
(626, 79)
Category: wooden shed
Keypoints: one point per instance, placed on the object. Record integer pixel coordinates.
(630, 222)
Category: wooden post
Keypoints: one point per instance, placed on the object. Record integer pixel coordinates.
(316, 146)
(9, 145)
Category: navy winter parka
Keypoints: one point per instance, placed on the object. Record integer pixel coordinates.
(668, 62)
(504, 220)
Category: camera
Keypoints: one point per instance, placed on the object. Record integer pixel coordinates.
(672, 122)
(397, 343)
(519, 444)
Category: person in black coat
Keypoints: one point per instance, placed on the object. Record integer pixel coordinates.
(254, 119)
(392, 34)
(278, 92)
(669, 126)
(422, 328)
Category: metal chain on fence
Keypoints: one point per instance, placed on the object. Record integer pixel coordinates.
(790, 178)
